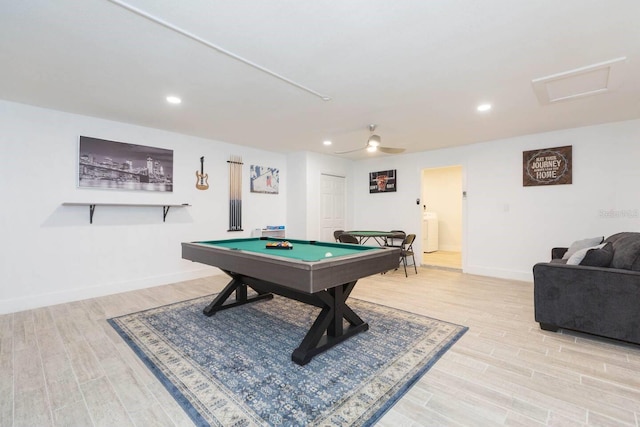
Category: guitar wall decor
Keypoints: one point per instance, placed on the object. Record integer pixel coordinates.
(202, 179)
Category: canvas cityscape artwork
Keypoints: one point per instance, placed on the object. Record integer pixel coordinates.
(121, 166)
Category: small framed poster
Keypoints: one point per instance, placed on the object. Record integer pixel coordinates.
(383, 181)
(264, 179)
(548, 166)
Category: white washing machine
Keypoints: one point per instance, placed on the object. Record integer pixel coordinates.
(430, 232)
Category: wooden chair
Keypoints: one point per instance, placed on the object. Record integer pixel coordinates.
(407, 251)
(336, 234)
(348, 238)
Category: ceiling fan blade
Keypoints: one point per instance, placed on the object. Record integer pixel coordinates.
(391, 150)
(350, 151)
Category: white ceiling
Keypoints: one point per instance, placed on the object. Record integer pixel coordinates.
(416, 68)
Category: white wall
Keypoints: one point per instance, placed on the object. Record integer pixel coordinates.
(304, 203)
(297, 200)
(507, 227)
(51, 254)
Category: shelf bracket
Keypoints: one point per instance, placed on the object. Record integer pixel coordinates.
(165, 211)
(92, 209)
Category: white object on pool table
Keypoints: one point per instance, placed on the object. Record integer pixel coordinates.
(328, 254)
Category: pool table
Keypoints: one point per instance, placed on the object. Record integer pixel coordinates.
(321, 274)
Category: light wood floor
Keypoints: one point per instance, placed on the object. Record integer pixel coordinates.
(64, 365)
(446, 259)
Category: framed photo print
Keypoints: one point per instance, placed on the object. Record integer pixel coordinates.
(383, 181)
(264, 179)
(122, 166)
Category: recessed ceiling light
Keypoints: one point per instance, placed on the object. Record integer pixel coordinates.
(327, 142)
(173, 100)
(484, 107)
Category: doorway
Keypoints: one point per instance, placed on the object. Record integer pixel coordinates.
(442, 216)
(333, 198)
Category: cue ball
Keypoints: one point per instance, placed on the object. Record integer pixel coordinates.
(328, 254)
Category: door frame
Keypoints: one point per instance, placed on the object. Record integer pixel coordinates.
(464, 214)
(344, 201)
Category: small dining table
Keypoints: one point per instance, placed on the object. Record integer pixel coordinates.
(380, 237)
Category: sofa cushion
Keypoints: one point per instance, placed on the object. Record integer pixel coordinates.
(626, 253)
(578, 256)
(599, 257)
(581, 244)
(614, 237)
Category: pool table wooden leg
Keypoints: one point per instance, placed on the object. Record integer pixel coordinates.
(328, 329)
(235, 285)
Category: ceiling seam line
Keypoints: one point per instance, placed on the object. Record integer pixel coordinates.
(219, 49)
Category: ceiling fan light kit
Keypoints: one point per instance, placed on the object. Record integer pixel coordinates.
(374, 141)
(373, 145)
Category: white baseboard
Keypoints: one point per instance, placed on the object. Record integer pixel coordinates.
(77, 294)
(525, 276)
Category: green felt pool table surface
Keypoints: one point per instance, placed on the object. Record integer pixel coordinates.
(303, 250)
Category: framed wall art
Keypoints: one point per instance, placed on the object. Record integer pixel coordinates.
(115, 165)
(548, 166)
(383, 181)
(264, 179)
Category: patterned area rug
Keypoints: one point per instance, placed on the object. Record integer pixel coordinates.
(235, 368)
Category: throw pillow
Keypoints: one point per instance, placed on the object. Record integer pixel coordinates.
(581, 244)
(579, 255)
(599, 257)
(626, 252)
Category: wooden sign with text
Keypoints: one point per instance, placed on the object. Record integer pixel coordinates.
(548, 166)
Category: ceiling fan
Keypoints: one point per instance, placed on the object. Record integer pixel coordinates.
(373, 145)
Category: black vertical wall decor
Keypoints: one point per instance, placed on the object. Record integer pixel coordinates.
(235, 193)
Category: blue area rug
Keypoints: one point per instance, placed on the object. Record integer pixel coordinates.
(235, 368)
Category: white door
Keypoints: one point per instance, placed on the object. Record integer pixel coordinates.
(332, 205)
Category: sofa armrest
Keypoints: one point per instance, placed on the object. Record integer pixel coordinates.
(558, 253)
(601, 301)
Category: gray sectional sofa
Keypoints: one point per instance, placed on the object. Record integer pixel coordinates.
(599, 295)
